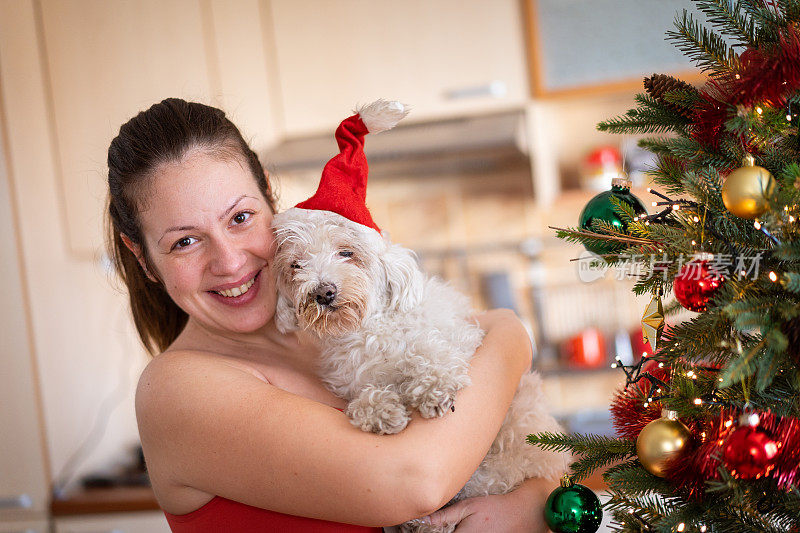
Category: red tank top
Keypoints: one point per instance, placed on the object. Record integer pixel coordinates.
(222, 514)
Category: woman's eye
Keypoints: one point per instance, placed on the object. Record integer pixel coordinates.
(346, 253)
(184, 242)
(242, 217)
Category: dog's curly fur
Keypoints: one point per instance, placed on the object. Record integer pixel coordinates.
(394, 340)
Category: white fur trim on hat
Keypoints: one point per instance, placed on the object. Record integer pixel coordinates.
(382, 115)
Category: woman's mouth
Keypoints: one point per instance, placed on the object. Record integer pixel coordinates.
(238, 291)
(240, 295)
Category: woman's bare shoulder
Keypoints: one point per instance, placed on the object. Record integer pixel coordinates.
(180, 364)
(160, 393)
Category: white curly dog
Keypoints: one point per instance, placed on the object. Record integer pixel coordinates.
(394, 339)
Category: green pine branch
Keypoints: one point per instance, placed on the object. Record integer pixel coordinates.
(707, 49)
(731, 19)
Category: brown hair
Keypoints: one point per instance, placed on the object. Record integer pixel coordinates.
(161, 134)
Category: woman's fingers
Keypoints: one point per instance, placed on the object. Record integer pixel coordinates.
(451, 515)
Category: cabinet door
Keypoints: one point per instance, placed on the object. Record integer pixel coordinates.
(36, 526)
(440, 57)
(23, 483)
(138, 522)
(109, 59)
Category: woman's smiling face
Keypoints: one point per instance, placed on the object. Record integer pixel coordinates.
(207, 229)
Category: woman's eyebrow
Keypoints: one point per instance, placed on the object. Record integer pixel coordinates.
(223, 215)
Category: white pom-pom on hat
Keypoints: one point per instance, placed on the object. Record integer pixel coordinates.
(382, 115)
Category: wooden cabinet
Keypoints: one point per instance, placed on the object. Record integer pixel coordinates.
(279, 67)
(139, 522)
(443, 58)
(106, 61)
(23, 482)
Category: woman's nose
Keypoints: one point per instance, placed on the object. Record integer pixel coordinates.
(228, 257)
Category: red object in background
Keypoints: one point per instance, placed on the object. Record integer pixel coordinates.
(695, 284)
(749, 452)
(605, 156)
(586, 349)
(639, 346)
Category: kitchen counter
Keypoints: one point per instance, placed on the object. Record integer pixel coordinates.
(105, 500)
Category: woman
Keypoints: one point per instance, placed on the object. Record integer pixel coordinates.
(237, 430)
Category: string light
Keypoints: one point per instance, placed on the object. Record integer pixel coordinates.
(694, 243)
(757, 224)
(759, 110)
(703, 529)
(698, 401)
(773, 276)
(681, 526)
(696, 219)
(729, 423)
(791, 218)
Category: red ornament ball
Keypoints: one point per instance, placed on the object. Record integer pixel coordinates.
(749, 452)
(695, 284)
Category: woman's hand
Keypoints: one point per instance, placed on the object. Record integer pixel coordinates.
(519, 510)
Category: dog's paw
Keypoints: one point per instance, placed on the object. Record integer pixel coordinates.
(434, 395)
(378, 411)
(437, 403)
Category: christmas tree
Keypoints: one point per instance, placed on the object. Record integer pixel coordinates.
(708, 426)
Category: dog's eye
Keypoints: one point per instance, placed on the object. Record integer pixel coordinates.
(346, 253)
(294, 265)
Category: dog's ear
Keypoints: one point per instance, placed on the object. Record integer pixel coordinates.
(404, 280)
(285, 317)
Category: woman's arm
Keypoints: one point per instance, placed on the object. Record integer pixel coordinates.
(223, 431)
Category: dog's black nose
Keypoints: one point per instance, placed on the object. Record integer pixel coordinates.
(325, 293)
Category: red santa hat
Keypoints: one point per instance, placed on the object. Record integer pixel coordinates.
(343, 186)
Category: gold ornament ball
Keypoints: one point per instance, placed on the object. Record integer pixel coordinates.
(659, 441)
(747, 188)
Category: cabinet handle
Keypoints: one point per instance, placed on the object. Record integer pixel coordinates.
(15, 502)
(495, 89)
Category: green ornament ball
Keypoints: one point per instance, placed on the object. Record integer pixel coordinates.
(573, 509)
(601, 208)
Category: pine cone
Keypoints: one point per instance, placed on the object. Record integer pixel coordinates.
(792, 331)
(659, 84)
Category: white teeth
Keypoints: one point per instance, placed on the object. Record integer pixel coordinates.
(237, 291)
